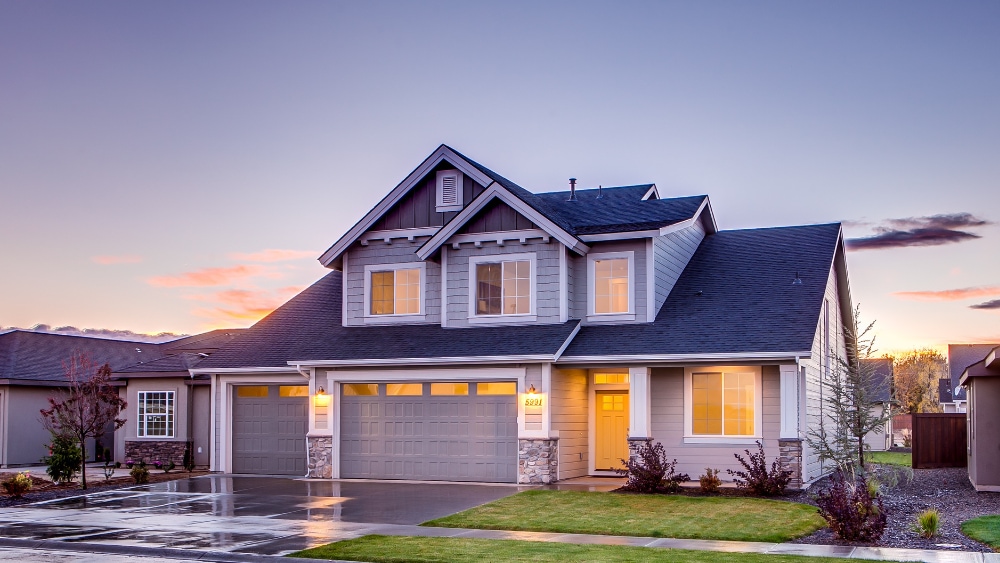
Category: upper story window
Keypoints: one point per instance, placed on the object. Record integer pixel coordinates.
(394, 289)
(502, 286)
(449, 191)
(156, 414)
(611, 287)
(723, 403)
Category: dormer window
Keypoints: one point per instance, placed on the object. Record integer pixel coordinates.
(449, 191)
(611, 286)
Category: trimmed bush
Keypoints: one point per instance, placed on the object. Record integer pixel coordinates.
(650, 472)
(851, 510)
(18, 485)
(64, 459)
(710, 481)
(756, 478)
(140, 474)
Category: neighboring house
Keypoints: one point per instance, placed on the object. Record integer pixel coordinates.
(168, 411)
(881, 370)
(31, 371)
(982, 380)
(471, 330)
(960, 356)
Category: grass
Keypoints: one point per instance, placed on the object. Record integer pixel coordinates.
(404, 549)
(890, 458)
(672, 516)
(984, 529)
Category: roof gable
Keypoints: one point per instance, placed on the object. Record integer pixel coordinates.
(497, 216)
(331, 258)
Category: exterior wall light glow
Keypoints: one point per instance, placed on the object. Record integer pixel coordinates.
(531, 390)
(321, 399)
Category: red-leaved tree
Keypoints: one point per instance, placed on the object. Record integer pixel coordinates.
(87, 407)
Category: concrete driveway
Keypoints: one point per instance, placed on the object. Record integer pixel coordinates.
(259, 515)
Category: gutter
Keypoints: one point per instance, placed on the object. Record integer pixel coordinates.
(686, 358)
(369, 362)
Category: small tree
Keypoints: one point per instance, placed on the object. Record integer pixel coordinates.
(87, 407)
(851, 388)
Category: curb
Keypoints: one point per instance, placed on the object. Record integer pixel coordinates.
(164, 552)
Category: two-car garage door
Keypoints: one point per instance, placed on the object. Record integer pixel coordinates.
(429, 431)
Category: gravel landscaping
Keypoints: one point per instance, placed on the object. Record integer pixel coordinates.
(947, 490)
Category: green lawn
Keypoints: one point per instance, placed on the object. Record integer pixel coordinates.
(403, 549)
(670, 516)
(890, 458)
(985, 529)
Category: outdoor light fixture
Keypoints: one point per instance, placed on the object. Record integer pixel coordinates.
(321, 399)
(531, 390)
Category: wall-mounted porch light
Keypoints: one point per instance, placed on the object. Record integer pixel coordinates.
(321, 399)
(533, 399)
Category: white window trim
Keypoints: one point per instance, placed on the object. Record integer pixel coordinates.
(529, 317)
(171, 414)
(691, 438)
(629, 315)
(394, 317)
(440, 206)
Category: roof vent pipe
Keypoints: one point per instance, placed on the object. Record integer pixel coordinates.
(600, 191)
(572, 189)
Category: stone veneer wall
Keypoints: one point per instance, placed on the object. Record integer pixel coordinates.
(153, 450)
(537, 461)
(634, 444)
(320, 461)
(790, 456)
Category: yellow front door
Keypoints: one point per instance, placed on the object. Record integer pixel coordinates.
(612, 430)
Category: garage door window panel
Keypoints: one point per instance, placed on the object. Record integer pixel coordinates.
(155, 414)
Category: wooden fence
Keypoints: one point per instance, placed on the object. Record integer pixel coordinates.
(939, 440)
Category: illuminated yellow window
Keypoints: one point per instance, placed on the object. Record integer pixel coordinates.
(611, 286)
(497, 388)
(612, 402)
(293, 391)
(250, 391)
(404, 389)
(395, 292)
(357, 389)
(610, 378)
(449, 388)
(723, 404)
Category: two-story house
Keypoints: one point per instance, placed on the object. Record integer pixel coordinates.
(471, 330)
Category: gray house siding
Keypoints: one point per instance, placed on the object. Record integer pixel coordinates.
(671, 253)
(668, 424)
(546, 278)
(570, 414)
(418, 207)
(399, 252)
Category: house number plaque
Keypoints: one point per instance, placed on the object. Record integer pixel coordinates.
(533, 402)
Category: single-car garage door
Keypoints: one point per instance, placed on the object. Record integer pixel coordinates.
(269, 429)
(429, 431)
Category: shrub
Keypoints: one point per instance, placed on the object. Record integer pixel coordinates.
(188, 461)
(139, 473)
(64, 459)
(849, 508)
(710, 480)
(109, 470)
(169, 466)
(927, 523)
(158, 464)
(129, 463)
(649, 472)
(757, 479)
(17, 485)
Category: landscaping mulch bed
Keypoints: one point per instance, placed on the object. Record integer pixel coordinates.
(46, 490)
(947, 490)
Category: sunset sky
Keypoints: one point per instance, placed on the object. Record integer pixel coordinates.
(178, 166)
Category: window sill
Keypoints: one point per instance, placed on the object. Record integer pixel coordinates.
(447, 208)
(393, 319)
(502, 319)
(611, 318)
(723, 440)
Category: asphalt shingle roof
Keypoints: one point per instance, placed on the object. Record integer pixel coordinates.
(308, 327)
(619, 209)
(962, 356)
(735, 295)
(882, 378)
(38, 356)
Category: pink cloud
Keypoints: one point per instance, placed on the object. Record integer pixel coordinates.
(950, 294)
(107, 260)
(242, 305)
(208, 277)
(273, 255)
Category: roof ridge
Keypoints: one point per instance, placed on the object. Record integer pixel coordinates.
(33, 332)
(782, 227)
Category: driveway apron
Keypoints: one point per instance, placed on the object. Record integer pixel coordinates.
(259, 515)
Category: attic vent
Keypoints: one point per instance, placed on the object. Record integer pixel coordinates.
(449, 190)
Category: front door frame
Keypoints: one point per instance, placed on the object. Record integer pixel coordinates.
(593, 389)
